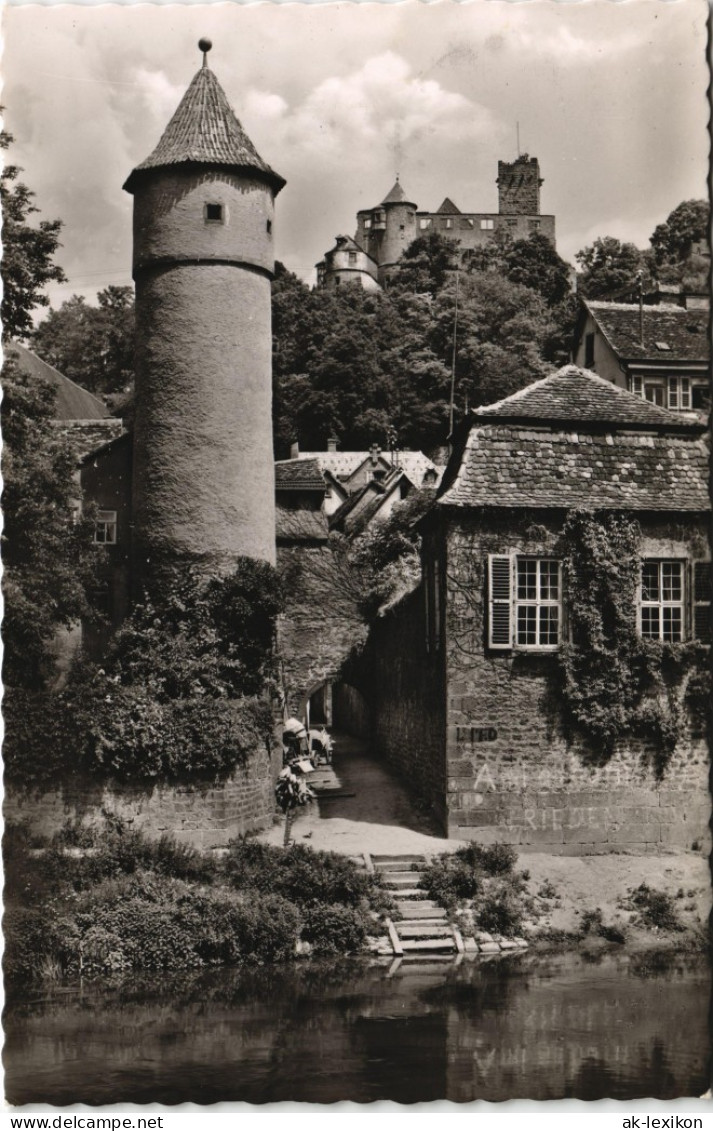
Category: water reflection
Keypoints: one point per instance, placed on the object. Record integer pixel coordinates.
(517, 1027)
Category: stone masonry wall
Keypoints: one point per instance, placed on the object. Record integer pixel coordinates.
(519, 186)
(204, 816)
(404, 686)
(512, 775)
(321, 624)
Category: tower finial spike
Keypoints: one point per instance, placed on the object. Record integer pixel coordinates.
(205, 46)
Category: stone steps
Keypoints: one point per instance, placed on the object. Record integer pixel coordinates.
(421, 930)
(440, 944)
(424, 931)
(400, 879)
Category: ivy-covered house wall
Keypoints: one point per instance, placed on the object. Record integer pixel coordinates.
(528, 763)
(567, 594)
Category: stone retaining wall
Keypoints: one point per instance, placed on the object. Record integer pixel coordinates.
(204, 816)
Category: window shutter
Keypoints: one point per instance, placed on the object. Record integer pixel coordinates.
(702, 602)
(426, 604)
(500, 601)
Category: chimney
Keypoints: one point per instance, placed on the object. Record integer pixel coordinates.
(332, 444)
(375, 451)
(295, 450)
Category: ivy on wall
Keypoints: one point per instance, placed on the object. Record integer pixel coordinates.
(612, 684)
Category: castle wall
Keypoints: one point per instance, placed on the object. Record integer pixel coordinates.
(476, 229)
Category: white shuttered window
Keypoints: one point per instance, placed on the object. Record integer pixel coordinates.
(701, 611)
(525, 603)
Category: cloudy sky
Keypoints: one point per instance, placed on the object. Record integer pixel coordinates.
(611, 97)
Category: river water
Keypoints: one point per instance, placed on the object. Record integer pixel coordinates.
(522, 1026)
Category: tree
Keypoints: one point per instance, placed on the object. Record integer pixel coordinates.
(93, 345)
(688, 224)
(28, 252)
(610, 268)
(502, 331)
(426, 264)
(534, 263)
(49, 557)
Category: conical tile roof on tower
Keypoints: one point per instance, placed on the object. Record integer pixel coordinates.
(205, 131)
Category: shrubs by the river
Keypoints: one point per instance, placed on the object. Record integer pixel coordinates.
(334, 928)
(301, 874)
(459, 875)
(483, 877)
(654, 908)
(110, 901)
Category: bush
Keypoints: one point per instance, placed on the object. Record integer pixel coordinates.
(300, 874)
(35, 943)
(656, 908)
(332, 928)
(500, 912)
(460, 874)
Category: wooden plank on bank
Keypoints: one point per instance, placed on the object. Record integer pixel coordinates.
(395, 940)
(458, 938)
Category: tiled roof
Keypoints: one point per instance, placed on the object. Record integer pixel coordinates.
(504, 466)
(449, 208)
(204, 130)
(685, 332)
(396, 195)
(579, 397)
(73, 402)
(299, 475)
(344, 464)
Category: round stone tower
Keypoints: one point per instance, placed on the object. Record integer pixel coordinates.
(203, 471)
(400, 226)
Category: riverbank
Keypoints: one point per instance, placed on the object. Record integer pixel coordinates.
(605, 892)
(572, 901)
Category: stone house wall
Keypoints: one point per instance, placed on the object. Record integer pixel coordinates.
(512, 774)
(404, 687)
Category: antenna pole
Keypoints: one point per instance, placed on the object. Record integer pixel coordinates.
(517, 129)
(453, 363)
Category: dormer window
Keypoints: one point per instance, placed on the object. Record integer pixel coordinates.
(214, 214)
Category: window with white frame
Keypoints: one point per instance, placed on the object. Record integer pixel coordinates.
(424, 223)
(525, 602)
(105, 528)
(662, 605)
(487, 225)
(679, 392)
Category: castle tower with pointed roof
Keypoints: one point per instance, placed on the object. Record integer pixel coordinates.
(386, 231)
(203, 477)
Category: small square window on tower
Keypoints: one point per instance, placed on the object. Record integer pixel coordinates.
(214, 214)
